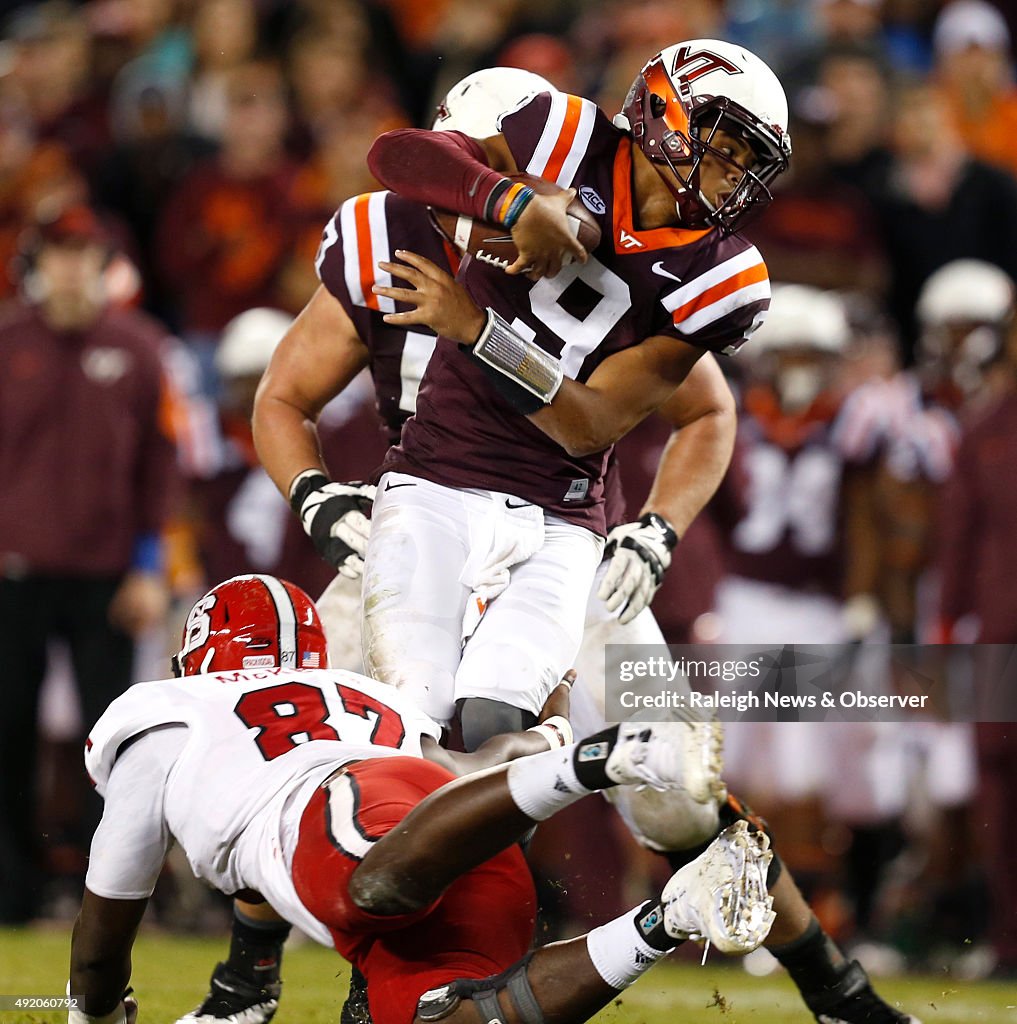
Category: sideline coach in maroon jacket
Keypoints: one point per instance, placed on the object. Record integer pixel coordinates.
(86, 473)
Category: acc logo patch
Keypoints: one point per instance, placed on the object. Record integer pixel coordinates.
(591, 200)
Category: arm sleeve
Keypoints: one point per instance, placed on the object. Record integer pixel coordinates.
(132, 840)
(444, 169)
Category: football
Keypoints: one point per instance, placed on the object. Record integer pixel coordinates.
(492, 244)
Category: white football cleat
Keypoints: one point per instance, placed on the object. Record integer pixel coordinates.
(721, 895)
(670, 755)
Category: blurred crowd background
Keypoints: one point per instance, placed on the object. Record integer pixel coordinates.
(199, 147)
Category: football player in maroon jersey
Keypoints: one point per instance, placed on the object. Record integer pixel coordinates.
(499, 476)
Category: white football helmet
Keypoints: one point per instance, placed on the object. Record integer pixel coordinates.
(248, 342)
(682, 97)
(970, 291)
(797, 348)
(965, 309)
(802, 317)
(474, 104)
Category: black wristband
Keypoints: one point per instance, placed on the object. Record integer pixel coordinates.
(666, 529)
(516, 395)
(309, 483)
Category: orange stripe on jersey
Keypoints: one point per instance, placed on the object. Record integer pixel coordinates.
(365, 253)
(566, 137)
(752, 275)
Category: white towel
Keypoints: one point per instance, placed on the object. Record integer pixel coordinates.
(503, 533)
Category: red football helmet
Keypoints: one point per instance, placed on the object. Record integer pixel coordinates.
(251, 622)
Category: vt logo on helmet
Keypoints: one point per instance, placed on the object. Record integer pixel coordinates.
(682, 99)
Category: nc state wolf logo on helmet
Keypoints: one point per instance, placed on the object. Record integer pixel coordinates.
(692, 64)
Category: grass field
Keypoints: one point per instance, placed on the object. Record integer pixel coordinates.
(170, 974)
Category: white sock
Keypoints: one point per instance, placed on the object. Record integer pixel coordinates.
(542, 784)
(620, 953)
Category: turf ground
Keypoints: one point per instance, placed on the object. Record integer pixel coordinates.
(170, 974)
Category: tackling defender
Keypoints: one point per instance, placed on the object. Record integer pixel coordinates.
(327, 794)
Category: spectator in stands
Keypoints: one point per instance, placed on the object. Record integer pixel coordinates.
(936, 203)
(50, 73)
(34, 176)
(153, 151)
(225, 230)
(225, 34)
(854, 86)
(87, 473)
(823, 232)
(975, 72)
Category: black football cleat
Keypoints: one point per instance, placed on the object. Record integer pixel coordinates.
(355, 1010)
(234, 999)
(854, 1001)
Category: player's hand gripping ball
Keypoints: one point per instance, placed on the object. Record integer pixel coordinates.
(494, 244)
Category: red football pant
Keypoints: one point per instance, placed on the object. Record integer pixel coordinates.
(482, 924)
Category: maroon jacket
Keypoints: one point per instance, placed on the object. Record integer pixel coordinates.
(85, 464)
(977, 546)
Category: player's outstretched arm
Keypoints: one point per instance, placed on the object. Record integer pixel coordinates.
(552, 730)
(704, 419)
(702, 415)
(101, 946)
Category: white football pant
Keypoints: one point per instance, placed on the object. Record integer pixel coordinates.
(444, 565)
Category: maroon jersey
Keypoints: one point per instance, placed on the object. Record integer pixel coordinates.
(702, 287)
(791, 532)
(977, 554)
(365, 230)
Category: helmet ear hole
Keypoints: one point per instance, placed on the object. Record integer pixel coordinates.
(658, 105)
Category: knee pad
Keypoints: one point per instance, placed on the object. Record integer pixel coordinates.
(731, 810)
(482, 718)
(669, 820)
(440, 1002)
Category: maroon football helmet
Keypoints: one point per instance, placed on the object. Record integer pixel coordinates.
(251, 622)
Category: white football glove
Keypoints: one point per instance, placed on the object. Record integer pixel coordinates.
(335, 518)
(640, 554)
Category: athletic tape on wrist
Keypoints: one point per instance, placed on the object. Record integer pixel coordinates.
(303, 483)
(556, 730)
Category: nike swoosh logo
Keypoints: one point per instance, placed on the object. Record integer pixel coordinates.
(522, 504)
(389, 486)
(476, 183)
(658, 268)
